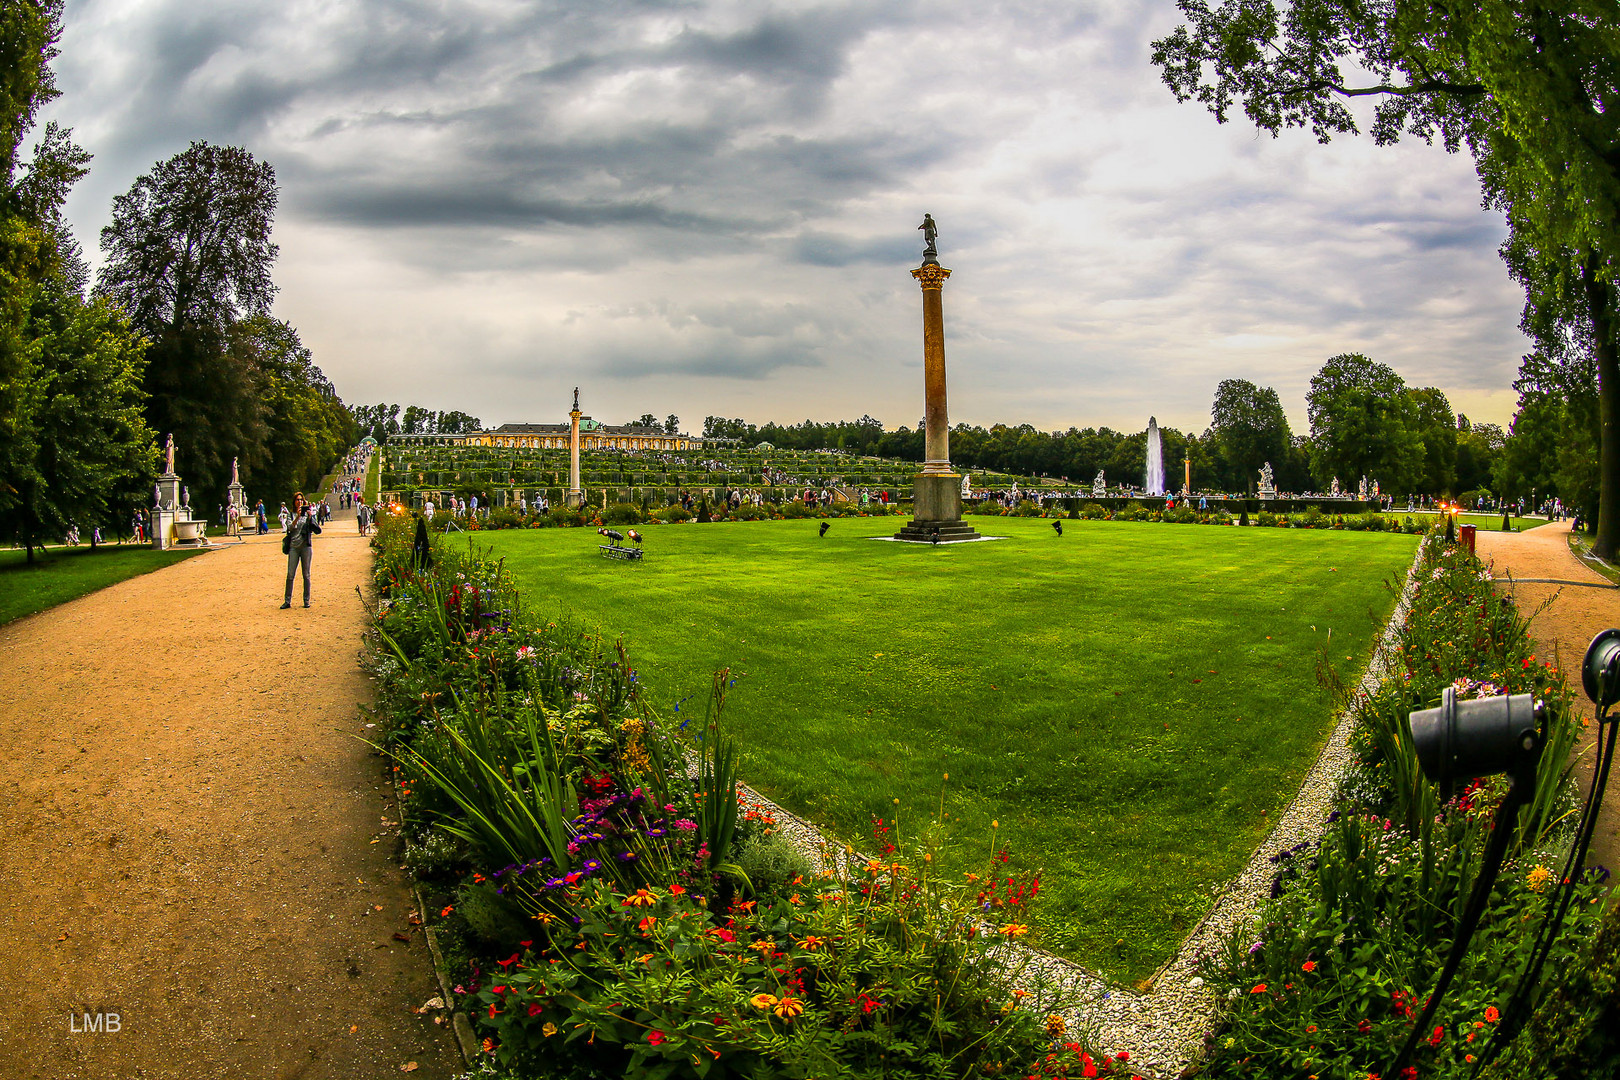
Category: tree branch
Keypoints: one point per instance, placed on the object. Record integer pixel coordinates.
(1429, 86)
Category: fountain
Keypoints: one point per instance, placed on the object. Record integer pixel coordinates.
(1155, 461)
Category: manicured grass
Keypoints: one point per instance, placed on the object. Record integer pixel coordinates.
(1493, 522)
(58, 575)
(373, 480)
(1133, 703)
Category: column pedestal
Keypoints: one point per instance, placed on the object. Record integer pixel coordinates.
(936, 502)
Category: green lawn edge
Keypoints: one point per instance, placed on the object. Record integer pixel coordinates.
(60, 574)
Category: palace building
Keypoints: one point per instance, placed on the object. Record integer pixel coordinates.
(592, 436)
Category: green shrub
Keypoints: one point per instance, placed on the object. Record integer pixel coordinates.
(770, 862)
(1025, 508)
(564, 517)
(503, 518)
(622, 513)
(797, 509)
(1093, 511)
(675, 512)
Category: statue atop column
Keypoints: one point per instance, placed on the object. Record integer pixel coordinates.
(930, 234)
(236, 477)
(576, 399)
(169, 455)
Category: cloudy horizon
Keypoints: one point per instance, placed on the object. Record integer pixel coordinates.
(711, 207)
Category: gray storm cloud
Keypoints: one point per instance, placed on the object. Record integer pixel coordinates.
(710, 207)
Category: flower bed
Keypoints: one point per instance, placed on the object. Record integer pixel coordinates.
(609, 913)
(1361, 919)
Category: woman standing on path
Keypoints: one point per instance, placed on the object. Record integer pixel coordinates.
(299, 545)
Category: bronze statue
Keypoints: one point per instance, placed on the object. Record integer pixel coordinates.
(930, 233)
(576, 399)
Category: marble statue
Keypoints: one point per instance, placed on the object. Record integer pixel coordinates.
(236, 477)
(1099, 486)
(1334, 491)
(169, 455)
(967, 489)
(1266, 483)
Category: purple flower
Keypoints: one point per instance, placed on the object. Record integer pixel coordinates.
(627, 856)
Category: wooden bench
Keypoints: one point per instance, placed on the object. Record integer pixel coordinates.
(613, 551)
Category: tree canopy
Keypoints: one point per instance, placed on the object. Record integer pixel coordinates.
(1363, 423)
(73, 443)
(1248, 426)
(188, 256)
(1531, 89)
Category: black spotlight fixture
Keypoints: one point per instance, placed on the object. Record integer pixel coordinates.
(1461, 740)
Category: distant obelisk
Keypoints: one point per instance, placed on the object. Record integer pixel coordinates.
(936, 491)
(575, 497)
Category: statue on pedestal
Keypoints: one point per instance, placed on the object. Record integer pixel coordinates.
(1334, 491)
(930, 234)
(236, 477)
(168, 468)
(967, 489)
(1099, 486)
(1266, 484)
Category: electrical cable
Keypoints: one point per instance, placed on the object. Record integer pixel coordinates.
(1519, 1009)
(1518, 794)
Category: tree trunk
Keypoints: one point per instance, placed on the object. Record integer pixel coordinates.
(29, 546)
(1599, 301)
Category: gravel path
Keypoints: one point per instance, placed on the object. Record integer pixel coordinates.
(195, 839)
(1565, 619)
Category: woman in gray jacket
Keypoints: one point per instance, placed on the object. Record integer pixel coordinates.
(299, 545)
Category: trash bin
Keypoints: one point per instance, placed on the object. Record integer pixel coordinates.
(1465, 537)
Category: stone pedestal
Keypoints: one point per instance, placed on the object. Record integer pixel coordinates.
(936, 501)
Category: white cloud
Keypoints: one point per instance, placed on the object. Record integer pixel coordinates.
(710, 208)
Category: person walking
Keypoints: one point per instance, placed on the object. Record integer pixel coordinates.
(299, 545)
(258, 512)
(284, 516)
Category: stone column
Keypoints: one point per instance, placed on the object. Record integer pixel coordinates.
(936, 492)
(574, 497)
(937, 444)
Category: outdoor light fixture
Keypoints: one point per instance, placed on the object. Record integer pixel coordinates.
(1461, 740)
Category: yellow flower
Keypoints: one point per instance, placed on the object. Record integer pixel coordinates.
(788, 1008)
(641, 898)
(549, 1030)
(764, 948)
(1013, 930)
(812, 942)
(642, 959)
(1538, 878)
(1055, 1026)
(762, 1001)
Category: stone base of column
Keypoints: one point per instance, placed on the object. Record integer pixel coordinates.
(936, 501)
(574, 498)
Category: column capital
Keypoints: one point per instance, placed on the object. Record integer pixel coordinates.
(931, 276)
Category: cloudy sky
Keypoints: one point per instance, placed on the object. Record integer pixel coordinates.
(711, 207)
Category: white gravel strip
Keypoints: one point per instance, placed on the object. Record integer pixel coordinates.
(1163, 1027)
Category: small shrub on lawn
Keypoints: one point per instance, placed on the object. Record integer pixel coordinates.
(622, 514)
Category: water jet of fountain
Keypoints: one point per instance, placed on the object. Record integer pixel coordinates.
(1155, 461)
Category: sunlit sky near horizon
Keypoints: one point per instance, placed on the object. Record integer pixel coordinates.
(711, 207)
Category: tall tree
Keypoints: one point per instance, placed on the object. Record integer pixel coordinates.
(187, 255)
(1249, 429)
(1531, 88)
(1437, 427)
(1363, 423)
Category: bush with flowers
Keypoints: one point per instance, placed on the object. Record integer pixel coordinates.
(590, 868)
(1362, 918)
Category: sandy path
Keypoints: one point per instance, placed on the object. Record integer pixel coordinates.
(188, 824)
(1561, 633)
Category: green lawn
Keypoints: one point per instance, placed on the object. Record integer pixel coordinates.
(62, 574)
(1130, 701)
(1493, 522)
(373, 480)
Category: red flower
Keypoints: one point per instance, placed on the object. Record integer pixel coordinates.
(1364, 1027)
(509, 961)
(1260, 989)
(1491, 1015)
(656, 1037)
(1438, 1037)
(536, 1009)
(1308, 966)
